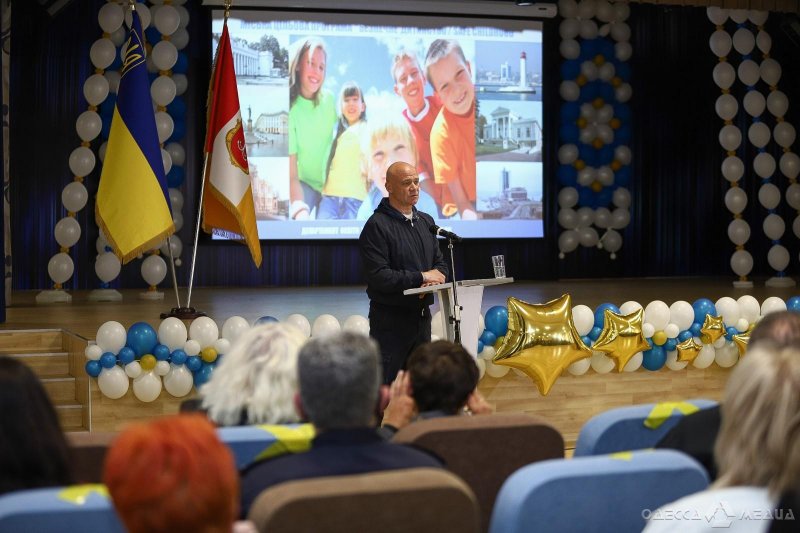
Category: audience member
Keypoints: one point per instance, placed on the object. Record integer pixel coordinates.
(758, 449)
(172, 475)
(33, 450)
(695, 434)
(441, 380)
(256, 381)
(339, 379)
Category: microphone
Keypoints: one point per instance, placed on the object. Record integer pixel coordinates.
(441, 232)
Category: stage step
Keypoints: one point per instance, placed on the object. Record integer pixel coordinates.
(56, 357)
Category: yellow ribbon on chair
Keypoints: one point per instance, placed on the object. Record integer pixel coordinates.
(662, 411)
(287, 440)
(78, 494)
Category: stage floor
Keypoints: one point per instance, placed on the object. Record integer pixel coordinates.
(84, 317)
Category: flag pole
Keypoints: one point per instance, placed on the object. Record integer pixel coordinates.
(174, 277)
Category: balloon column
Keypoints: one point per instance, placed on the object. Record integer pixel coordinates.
(594, 171)
(749, 36)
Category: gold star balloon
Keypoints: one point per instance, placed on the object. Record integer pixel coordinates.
(713, 328)
(621, 337)
(741, 340)
(541, 341)
(688, 350)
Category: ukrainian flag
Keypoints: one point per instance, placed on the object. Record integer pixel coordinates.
(133, 202)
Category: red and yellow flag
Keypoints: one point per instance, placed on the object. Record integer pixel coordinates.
(228, 207)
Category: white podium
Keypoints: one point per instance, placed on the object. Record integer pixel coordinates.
(470, 296)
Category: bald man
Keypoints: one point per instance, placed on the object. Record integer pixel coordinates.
(399, 252)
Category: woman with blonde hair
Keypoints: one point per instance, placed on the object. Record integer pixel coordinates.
(757, 451)
(256, 380)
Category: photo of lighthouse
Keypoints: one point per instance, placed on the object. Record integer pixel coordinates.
(509, 70)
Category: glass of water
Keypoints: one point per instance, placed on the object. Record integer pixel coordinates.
(499, 264)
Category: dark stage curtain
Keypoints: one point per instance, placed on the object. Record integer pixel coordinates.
(678, 224)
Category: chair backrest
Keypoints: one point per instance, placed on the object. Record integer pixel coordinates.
(84, 508)
(252, 443)
(595, 494)
(88, 454)
(633, 428)
(484, 450)
(413, 499)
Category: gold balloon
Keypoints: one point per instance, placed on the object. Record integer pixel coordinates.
(688, 350)
(713, 328)
(621, 337)
(541, 341)
(741, 340)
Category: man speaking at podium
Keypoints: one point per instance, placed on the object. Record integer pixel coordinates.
(400, 252)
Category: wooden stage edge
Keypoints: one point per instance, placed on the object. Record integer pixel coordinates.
(571, 402)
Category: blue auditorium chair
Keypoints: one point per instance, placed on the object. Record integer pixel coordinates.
(633, 428)
(253, 443)
(594, 494)
(84, 508)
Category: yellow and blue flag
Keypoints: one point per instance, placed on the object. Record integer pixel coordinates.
(132, 201)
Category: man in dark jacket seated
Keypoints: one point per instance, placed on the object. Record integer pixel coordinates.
(339, 389)
(399, 252)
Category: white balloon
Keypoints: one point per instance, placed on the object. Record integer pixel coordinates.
(623, 93)
(93, 352)
(178, 381)
(620, 32)
(567, 218)
(606, 134)
(165, 125)
(738, 15)
(777, 103)
(60, 267)
(601, 363)
(764, 41)
(796, 227)
(81, 161)
(569, 90)
(742, 324)
(567, 197)
(356, 324)
(144, 15)
(732, 169)
(107, 267)
(749, 72)
(567, 154)
(173, 242)
(720, 43)
(222, 346)
(705, 357)
(793, 194)
(769, 196)
(177, 219)
(569, 28)
(606, 72)
(583, 318)
(203, 330)
(784, 134)
(620, 218)
(118, 36)
(724, 75)
(300, 322)
(112, 77)
(728, 309)
(623, 51)
(172, 333)
(147, 387)
(717, 15)
(770, 72)
(580, 367)
(154, 270)
(180, 38)
(648, 330)
(166, 20)
(749, 308)
(622, 197)
(629, 307)
(325, 325)
(95, 89)
(741, 262)
(604, 11)
(166, 160)
(111, 337)
(727, 355)
(585, 217)
(480, 363)
(587, 135)
(744, 41)
(102, 53)
(181, 83)
(673, 363)
(113, 382)
(588, 237)
(772, 304)
(774, 226)
(163, 90)
(758, 133)
(192, 347)
(234, 326)
(634, 363)
(681, 313)
(74, 196)
(738, 231)
(778, 257)
(726, 106)
(657, 313)
(102, 150)
(612, 241)
(671, 331)
(88, 125)
(586, 9)
(164, 55)
(602, 218)
(764, 165)
(178, 155)
(588, 29)
(754, 103)
(758, 18)
(496, 371)
(568, 241)
(488, 353)
(67, 232)
(730, 137)
(161, 368)
(110, 17)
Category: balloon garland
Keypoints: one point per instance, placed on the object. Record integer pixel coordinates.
(595, 130)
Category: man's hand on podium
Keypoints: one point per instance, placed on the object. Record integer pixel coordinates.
(432, 277)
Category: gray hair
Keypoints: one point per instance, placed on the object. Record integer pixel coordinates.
(339, 378)
(256, 378)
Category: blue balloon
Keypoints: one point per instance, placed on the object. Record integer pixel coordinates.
(604, 197)
(570, 70)
(93, 368)
(142, 338)
(265, 320)
(605, 155)
(622, 177)
(480, 346)
(587, 340)
(606, 47)
(178, 357)
(108, 360)
(567, 175)
(595, 332)
(793, 304)
(105, 129)
(695, 329)
(703, 307)
(116, 64)
(623, 134)
(175, 176)
(585, 195)
(182, 64)
(589, 92)
(152, 35)
(126, 355)
(685, 335)
(570, 111)
(670, 345)
(488, 338)
(607, 92)
(202, 376)
(161, 352)
(106, 110)
(178, 131)
(622, 112)
(569, 132)
(496, 320)
(599, 313)
(622, 70)
(730, 331)
(654, 358)
(194, 363)
(177, 108)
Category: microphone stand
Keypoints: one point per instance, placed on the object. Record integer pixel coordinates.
(455, 318)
